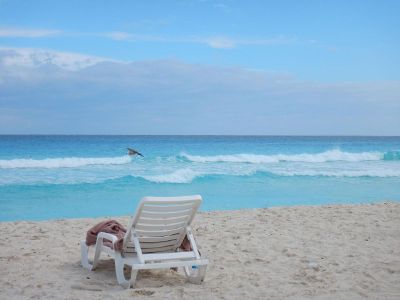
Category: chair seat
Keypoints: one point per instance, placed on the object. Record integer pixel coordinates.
(159, 256)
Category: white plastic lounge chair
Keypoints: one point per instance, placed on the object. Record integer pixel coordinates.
(152, 240)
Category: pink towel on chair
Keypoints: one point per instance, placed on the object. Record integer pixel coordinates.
(109, 226)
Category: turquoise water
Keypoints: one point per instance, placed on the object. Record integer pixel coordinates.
(50, 177)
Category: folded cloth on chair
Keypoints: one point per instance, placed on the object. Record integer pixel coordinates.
(109, 226)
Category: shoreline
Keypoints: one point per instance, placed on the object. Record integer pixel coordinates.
(339, 251)
(372, 202)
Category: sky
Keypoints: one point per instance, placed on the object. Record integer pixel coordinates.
(200, 67)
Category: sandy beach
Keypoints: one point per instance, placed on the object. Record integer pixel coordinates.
(326, 252)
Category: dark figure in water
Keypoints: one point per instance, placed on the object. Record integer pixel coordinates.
(134, 152)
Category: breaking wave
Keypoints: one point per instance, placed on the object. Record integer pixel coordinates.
(344, 173)
(187, 175)
(186, 168)
(178, 176)
(65, 162)
(327, 156)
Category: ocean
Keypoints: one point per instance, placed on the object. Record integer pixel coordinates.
(52, 177)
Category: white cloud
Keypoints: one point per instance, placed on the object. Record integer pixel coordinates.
(28, 57)
(119, 35)
(27, 33)
(126, 36)
(220, 42)
(228, 43)
(217, 42)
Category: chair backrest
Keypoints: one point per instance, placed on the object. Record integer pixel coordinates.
(160, 223)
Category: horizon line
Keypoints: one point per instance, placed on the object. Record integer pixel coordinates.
(199, 135)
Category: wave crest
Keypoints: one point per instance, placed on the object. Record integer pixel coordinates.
(65, 162)
(327, 156)
(340, 174)
(188, 175)
(178, 176)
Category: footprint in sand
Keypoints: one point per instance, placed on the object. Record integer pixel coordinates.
(142, 293)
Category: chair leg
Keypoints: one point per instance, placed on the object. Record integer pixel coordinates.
(196, 276)
(97, 253)
(134, 274)
(85, 256)
(202, 273)
(119, 271)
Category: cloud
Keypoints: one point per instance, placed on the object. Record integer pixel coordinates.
(27, 57)
(125, 36)
(174, 97)
(228, 43)
(118, 35)
(218, 42)
(27, 33)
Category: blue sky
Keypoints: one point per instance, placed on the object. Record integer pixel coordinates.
(339, 57)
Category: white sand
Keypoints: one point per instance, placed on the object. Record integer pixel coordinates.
(331, 252)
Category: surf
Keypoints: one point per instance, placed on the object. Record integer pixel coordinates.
(63, 162)
(327, 156)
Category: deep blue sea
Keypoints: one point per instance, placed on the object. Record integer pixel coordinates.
(52, 177)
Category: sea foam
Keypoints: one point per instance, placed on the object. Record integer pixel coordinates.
(178, 176)
(340, 173)
(65, 162)
(327, 156)
(188, 175)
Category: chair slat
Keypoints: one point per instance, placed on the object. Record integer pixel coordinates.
(172, 237)
(161, 220)
(167, 208)
(167, 247)
(158, 215)
(157, 245)
(172, 200)
(158, 249)
(159, 227)
(160, 233)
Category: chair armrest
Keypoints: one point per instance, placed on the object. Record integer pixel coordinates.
(107, 236)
